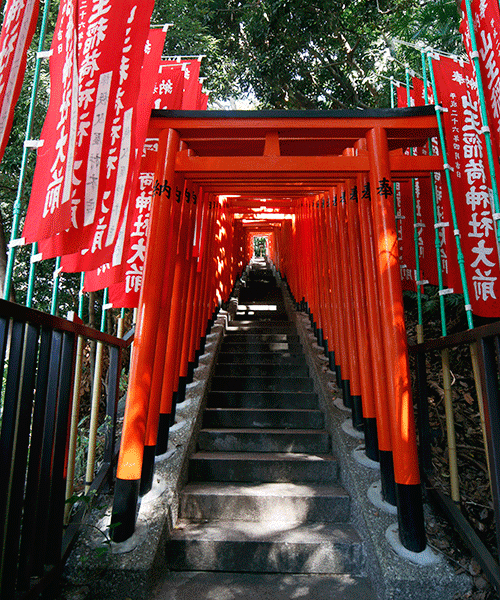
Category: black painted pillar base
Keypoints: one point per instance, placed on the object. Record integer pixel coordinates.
(387, 477)
(181, 393)
(338, 373)
(124, 512)
(319, 335)
(346, 392)
(162, 437)
(325, 346)
(331, 361)
(190, 371)
(371, 439)
(357, 413)
(173, 409)
(148, 469)
(411, 517)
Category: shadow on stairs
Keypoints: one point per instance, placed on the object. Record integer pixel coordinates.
(263, 514)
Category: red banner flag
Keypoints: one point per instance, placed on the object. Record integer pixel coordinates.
(406, 243)
(49, 210)
(100, 145)
(487, 32)
(98, 254)
(169, 87)
(457, 90)
(18, 27)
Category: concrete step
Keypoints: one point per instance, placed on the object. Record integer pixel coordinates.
(264, 418)
(261, 586)
(270, 358)
(268, 384)
(265, 547)
(275, 502)
(235, 399)
(263, 467)
(260, 370)
(264, 440)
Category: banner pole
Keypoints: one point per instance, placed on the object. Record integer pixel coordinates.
(485, 130)
(420, 326)
(16, 210)
(460, 255)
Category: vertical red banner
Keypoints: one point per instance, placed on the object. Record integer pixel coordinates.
(18, 27)
(87, 194)
(486, 15)
(457, 91)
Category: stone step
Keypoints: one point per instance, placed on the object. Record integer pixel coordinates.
(253, 324)
(266, 467)
(262, 586)
(257, 384)
(259, 347)
(275, 502)
(265, 547)
(250, 337)
(264, 418)
(264, 440)
(268, 358)
(235, 399)
(244, 315)
(258, 369)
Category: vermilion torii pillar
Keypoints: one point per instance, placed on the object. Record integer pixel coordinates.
(404, 441)
(129, 470)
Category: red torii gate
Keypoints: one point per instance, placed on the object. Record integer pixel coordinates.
(292, 159)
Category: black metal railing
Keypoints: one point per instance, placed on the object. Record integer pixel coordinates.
(37, 364)
(485, 343)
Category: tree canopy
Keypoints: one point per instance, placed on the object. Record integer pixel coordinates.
(303, 55)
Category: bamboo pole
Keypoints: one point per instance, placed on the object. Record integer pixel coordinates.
(96, 396)
(75, 411)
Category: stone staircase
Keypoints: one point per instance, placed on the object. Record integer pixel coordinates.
(263, 495)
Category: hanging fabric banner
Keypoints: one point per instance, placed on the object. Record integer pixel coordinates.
(101, 143)
(18, 27)
(487, 30)
(457, 90)
(191, 90)
(49, 210)
(406, 244)
(97, 254)
(169, 86)
(127, 275)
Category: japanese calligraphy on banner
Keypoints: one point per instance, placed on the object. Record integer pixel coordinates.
(98, 253)
(19, 24)
(169, 86)
(127, 273)
(88, 200)
(457, 91)
(487, 32)
(406, 243)
(49, 210)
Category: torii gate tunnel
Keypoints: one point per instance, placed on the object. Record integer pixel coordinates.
(319, 185)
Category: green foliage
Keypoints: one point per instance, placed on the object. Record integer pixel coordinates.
(317, 54)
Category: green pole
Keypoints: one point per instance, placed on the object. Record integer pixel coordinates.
(485, 130)
(55, 287)
(416, 224)
(437, 224)
(460, 255)
(16, 211)
(80, 296)
(31, 279)
(104, 309)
